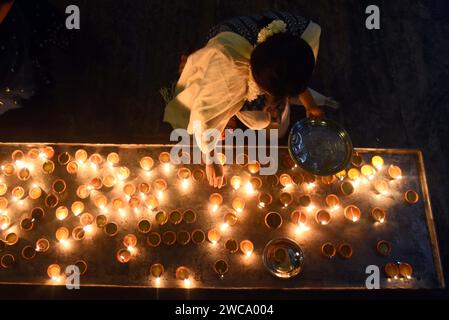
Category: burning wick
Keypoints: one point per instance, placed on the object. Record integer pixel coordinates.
(88, 228)
(166, 168)
(185, 184)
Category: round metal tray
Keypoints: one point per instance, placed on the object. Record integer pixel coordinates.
(320, 146)
(283, 258)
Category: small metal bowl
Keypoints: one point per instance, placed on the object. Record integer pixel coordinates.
(320, 146)
(283, 258)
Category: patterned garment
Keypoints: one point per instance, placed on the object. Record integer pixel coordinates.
(249, 28)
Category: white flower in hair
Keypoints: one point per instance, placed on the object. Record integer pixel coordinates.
(275, 27)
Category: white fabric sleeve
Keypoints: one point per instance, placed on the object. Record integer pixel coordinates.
(222, 92)
(312, 36)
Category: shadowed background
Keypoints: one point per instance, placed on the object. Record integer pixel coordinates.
(391, 83)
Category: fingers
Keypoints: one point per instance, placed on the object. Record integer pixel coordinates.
(220, 182)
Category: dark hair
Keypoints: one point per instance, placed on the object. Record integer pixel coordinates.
(283, 65)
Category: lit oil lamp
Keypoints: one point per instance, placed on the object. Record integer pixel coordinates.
(198, 236)
(17, 155)
(18, 193)
(62, 234)
(86, 219)
(147, 163)
(285, 180)
(323, 217)
(3, 189)
(35, 192)
(183, 274)
(27, 224)
(352, 213)
(377, 162)
(48, 152)
(213, 235)
(254, 167)
(129, 189)
(154, 239)
(113, 158)
(78, 233)
(184, 175)
(8, 169)
(160, 186)
(83, 191)
(381, 187)
(405, 270)
(231, 246)
(394, 172)
(169, 238)
(299, 218)
(4, 222)
(265, 199)
(123, 256)
(238, 204)
(151, 202)
(33, 154)
(157, 270)
(48, 166)
(42, 245)
(122, 173)
(353, 174)
(221, 267)
(11, 239)
(368, 171)
(161, 217)
(81, 156)
(72, 167)
(341, 175)
(77, 207)
(286, 199)
(101, 220)
(379, 215)
(3, 203)
(100, 200)
(198, 175)
(51, 200)
(130, 241)
(332, 202)
(23, 174)
(328, 180)
(247, 247)
(345, 251)
(391, 270)
(37, 214)
(54, 272)
(96, 183)
(236, 182)
(95, 160)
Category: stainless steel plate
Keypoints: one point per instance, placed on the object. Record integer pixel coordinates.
(283, 258)
(320, 146)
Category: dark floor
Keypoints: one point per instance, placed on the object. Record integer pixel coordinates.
(392, 83)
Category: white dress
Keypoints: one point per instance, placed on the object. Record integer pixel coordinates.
(215, 84)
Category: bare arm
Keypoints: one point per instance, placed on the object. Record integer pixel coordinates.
(312, 110)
